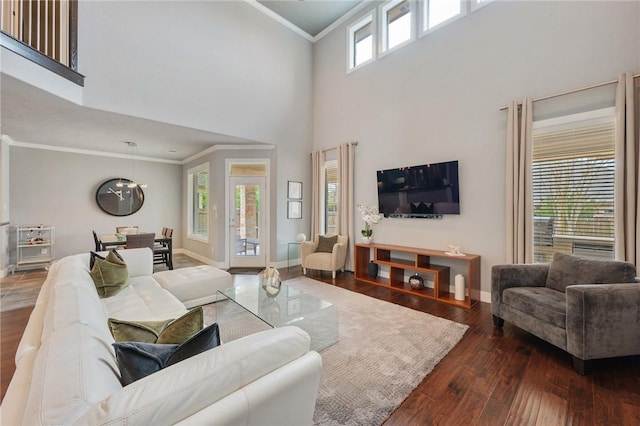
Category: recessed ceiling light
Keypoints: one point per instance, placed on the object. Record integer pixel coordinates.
(172, 151)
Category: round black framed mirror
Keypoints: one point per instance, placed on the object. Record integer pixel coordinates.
(118, 197)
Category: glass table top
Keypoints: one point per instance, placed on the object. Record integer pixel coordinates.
(289, 307)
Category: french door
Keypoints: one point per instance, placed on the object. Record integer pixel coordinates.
(247, 221)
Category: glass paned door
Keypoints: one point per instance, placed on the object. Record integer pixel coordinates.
(247, 221)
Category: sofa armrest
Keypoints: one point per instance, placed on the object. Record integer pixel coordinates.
(338, 255)
(306, 248)
(188, 387)
(507, 276)
(603, 320)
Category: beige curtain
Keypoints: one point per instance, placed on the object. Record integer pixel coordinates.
(627, 202)
(519, 209)
(346, 156)
(316, 192)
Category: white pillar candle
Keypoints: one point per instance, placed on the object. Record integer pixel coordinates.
(459, 285)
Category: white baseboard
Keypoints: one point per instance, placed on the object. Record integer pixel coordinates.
(201, 258)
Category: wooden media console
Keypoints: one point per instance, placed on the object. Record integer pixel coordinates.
(398, 259)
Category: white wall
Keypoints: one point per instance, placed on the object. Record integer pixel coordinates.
(59, 189)
(220, 66)
(438, 99)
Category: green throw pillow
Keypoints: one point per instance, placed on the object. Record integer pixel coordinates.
(325, 244)
(110, 275)
(171, 331)
(137, 359)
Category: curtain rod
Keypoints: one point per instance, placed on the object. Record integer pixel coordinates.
(331, 149)
(568, 92)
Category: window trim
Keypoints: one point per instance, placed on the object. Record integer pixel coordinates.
(369, 17)
(465, 9)
(383, 48)
(190, 172)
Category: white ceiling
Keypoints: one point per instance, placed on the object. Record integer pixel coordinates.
(95, 130)
(90, 129)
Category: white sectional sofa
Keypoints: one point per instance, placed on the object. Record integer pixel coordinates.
(66, 371)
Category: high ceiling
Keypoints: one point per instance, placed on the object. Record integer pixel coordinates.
(311, 16)
(106, 132)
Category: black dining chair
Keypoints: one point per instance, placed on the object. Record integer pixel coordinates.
(161, 253)
(96, 241)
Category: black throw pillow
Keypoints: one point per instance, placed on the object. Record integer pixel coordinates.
(137, 360)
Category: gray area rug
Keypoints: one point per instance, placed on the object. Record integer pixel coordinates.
(384, 352)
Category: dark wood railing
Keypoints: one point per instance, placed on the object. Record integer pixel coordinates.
(43, 31)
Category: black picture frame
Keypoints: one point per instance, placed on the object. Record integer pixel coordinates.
(294, 209)
(294, 190)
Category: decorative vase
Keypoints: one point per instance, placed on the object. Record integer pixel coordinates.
(366, 240)
(416, 282)
(373, 269)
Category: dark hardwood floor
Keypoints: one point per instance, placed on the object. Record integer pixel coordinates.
(492, 377)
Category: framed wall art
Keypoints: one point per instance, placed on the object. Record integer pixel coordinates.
(294, 209)
(294, 190)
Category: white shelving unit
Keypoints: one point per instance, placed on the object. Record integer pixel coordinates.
(34, 245)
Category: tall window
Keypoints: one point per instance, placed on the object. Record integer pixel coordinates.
(361, 42)
(438, 11)
(198, 190)
(397, 23)
(573, 169)
(331, 197)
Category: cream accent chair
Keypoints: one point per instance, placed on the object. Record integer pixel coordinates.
(324, 261)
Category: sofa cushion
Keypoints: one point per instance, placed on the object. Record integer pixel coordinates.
(143, 300)
(138, 359)
(325, 244)
(566, 270)
(110, 275)
(170, 331)
(543, 303)
(180, 391)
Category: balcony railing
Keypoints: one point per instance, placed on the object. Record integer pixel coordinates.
(43, 31)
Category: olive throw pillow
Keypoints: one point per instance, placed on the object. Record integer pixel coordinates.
(171, 331)
(325, 244)
(110, 275)
(94, 256)
(137, 360)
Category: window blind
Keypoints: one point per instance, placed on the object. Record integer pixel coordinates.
(398, 11)
(573, 170)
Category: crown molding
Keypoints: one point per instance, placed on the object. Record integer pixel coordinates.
(226, 148)
(280, 19)
(344, 18)
(87, 151)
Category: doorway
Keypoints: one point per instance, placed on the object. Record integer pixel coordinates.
(248, 234)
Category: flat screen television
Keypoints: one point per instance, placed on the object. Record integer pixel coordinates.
(426, 191)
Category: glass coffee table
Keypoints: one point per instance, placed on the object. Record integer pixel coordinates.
(289, 307)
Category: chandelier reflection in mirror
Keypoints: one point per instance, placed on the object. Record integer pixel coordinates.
(132, 152)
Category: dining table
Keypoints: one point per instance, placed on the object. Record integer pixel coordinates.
(114, 240)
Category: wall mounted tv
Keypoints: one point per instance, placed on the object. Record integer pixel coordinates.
(426, 191)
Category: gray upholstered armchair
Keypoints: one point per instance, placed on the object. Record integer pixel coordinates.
(589, 308)
(325, 253)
